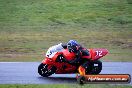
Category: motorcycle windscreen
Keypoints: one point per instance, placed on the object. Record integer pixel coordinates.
(97, 53)
(53, 50)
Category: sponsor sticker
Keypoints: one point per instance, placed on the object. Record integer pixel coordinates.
(105, 78)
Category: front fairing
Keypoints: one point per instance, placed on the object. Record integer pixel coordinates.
(53, 50)
(68, 55)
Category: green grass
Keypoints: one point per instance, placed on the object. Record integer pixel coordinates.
(30, 27)
(65, 86)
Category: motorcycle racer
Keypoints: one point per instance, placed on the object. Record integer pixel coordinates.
(80, 53)
(71, 58)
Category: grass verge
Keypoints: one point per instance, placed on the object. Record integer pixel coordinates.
(29, 27)
(64, 86)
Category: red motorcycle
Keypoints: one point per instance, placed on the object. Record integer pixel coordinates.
(49, 66)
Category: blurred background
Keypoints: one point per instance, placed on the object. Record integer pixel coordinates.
(30, 27)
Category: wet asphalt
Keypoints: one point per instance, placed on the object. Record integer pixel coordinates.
(26, 73)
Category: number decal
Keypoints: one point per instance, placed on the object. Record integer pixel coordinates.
(98, 53)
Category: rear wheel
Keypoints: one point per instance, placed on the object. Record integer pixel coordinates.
(96, 67)
(93, 67)
(45, 70)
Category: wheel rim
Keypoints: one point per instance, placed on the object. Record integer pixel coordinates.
(97, 69)
(44, 70)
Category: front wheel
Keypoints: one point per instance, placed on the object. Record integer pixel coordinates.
(46, 70)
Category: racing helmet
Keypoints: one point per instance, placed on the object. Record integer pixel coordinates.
(72, 46)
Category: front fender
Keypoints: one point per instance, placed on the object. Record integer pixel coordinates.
(48, 61)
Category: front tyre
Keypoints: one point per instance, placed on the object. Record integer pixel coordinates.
(45, 71)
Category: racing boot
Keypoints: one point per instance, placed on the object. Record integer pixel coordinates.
(81, 70)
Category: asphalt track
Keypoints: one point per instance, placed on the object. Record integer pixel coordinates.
(26, 73)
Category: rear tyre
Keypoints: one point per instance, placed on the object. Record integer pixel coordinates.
(44, 71)
(96, 67)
